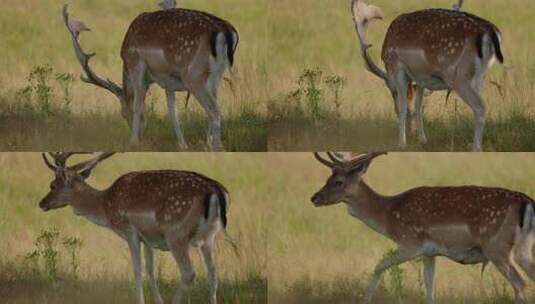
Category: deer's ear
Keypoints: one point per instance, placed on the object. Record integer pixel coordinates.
(86, 173)
(360, 168)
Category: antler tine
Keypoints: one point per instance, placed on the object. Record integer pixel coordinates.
(83, 58)
(323, 160)
(334, 157)
(361, 20)
(91, 163)
(47, 162)
(365, 157)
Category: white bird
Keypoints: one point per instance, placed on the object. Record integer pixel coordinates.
(365, 13)
(75, 26)
(458, 6)
(167, 4)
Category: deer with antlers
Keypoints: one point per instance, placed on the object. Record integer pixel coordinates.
(469, 224)
(166, 210)
(436, 49)
(178, 49)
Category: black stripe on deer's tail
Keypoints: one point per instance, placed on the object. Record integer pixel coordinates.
(222, 200)
(231, 39)
(494, 37)
(497, 46)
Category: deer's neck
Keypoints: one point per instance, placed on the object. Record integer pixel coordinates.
(90, 203)
(368, 206)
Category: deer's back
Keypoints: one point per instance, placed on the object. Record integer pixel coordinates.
(175, 31)
(440, 33)
(478, 210)
(167, 196)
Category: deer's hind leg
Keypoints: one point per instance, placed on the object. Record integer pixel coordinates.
(149, 265)
(180, 250)
(474, 100)
(419, 111)
(429, 278)
(207, 250)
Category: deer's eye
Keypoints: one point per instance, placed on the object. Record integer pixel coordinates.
(339, 182)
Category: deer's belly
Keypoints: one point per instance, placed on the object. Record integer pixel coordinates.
(455, 242)
(457, 236)
(429, 82)
(168, 81)
(462, 255)
(148, 229)
(420, 70)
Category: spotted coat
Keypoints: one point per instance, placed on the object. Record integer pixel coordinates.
(414, 212)
(178, 32)
(171, 195)
(437, 33)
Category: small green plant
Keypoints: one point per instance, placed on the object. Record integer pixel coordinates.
(396, 278)
(309, 99)
(46, 251)
(336, 85)
(72, 246)
(39, 83)
(66, 81)
(310, 85)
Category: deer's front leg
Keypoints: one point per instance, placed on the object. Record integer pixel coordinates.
(419, 104)
(398, 257)
(135, 250)
(429, 277)
(180, 250)
(137, 75)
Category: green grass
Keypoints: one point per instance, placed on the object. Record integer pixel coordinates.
(101, 270)
(26, 129)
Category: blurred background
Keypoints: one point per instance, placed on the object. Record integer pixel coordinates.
(101, 269)
(323, 255)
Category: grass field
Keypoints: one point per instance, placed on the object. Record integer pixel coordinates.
(323, 255)
(37, 121)
(307, 34)
(104, 271)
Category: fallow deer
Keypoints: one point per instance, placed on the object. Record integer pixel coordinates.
(180, 50)
(467, 224)
(166, 210)
(436, 49)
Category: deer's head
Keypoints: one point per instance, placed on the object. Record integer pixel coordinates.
(345, 177)
(68, 180)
